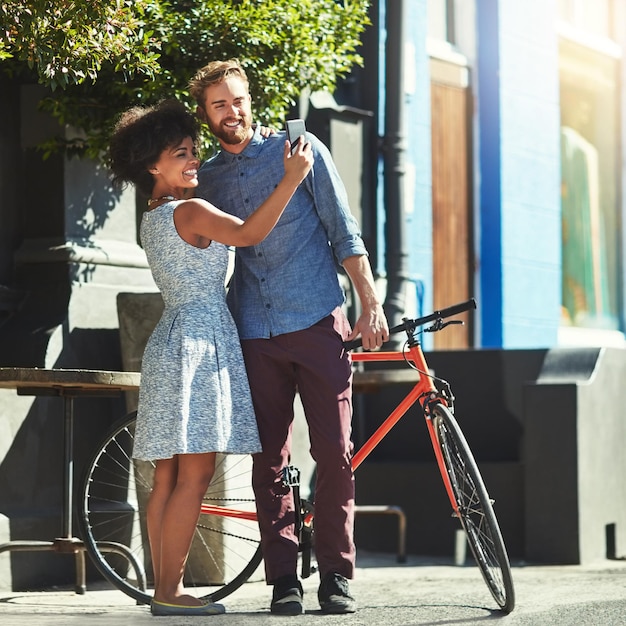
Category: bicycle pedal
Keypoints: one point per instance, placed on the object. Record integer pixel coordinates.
(291, 476)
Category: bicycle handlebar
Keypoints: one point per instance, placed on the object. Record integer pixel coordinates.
(409, 325)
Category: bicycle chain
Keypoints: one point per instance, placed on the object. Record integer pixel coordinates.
(207, 499)
(221, 532)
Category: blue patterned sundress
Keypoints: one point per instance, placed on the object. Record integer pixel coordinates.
(194, 395)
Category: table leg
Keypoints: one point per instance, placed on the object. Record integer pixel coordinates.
(69, 543)
(81, 576)
(68, 464)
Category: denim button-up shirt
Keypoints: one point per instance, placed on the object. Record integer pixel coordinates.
(289, 281)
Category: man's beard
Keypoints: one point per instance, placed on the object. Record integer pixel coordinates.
(232, 137)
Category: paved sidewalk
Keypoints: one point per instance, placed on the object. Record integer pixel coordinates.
(419, 592)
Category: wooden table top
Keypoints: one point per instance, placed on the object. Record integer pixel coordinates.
(41, 378)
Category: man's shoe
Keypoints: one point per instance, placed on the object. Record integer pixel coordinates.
(287, 596)
(334, 595)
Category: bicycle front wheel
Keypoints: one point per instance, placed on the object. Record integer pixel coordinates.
(226, 547)
(475, 508)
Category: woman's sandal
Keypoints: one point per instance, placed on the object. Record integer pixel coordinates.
(163, 609)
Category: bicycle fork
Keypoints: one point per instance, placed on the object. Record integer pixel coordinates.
(431, 399)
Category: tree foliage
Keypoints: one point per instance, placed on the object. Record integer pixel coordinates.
(102, 57)
(68, 42)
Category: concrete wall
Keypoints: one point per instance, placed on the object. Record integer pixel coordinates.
(68, 245)
(574, 455)
(547, 431)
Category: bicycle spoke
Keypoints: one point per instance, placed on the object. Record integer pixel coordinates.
(473, 517)
(225, 549)
(475, 509)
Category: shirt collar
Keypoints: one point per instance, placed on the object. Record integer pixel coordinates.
(251, 151)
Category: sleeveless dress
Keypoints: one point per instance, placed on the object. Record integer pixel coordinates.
(194, 395)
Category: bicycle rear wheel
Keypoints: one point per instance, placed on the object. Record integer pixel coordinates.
(475, 508)
(225, 551)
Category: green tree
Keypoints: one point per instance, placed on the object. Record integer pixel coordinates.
(66, 42)
(118, 54)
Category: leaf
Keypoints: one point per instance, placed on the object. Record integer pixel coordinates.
(99, 58)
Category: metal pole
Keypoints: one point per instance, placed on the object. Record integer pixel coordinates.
(68, 463)
(394, 158)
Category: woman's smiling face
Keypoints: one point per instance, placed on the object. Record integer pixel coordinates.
(177, 167)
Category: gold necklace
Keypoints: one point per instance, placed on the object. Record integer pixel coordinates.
(155, 200)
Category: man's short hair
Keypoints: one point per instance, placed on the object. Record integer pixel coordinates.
(214, 73)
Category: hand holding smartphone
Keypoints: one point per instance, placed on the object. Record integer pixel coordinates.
(295, 128)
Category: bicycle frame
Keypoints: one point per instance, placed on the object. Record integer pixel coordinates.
(424, 391)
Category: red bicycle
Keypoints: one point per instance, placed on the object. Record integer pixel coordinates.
(226, 551)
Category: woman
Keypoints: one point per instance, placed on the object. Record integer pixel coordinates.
(194, 399)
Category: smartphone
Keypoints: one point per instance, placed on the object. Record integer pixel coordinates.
(295, 128)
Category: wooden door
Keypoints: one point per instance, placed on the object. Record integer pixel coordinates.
(451, 191)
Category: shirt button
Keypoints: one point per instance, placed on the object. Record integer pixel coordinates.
(241, 174)
(268, 306)
(262, 280)
(260, 254)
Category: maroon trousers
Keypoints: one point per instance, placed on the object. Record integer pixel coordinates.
(313, 363)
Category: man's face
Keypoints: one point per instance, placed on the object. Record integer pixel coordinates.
(227, 111)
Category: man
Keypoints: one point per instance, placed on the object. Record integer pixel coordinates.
(286, 299)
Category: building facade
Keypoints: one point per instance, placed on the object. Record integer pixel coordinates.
(514, 186)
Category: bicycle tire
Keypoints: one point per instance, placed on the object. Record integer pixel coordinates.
(225, 552)
(475, 508)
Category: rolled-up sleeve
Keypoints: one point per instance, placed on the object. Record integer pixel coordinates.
(331, 201)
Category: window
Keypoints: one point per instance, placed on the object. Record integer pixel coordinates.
(590, 199)
(441, 20)
(591, 16)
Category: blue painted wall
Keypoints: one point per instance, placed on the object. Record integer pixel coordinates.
(518, 173)
(490, 160)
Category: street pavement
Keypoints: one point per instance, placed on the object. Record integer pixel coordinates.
(420, 592)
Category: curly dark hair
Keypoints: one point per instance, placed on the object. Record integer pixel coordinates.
(141, 135)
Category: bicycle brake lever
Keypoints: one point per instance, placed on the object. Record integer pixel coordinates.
(439, 324)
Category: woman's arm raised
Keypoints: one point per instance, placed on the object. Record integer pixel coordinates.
(197, 220)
